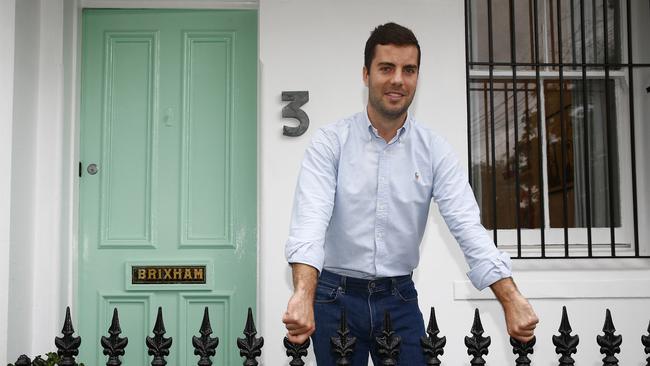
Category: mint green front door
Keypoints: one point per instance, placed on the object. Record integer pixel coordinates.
(168, 121)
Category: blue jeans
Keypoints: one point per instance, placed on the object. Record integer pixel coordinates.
(365, 302)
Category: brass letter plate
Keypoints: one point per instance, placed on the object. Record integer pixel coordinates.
(158, 275)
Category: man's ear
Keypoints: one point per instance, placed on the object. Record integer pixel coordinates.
(365, 76)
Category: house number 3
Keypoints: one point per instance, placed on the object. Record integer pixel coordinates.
(296, 100)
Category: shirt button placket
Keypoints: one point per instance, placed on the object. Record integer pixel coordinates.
(381, 213)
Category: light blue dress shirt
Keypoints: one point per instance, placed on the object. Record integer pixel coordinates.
(361, 204)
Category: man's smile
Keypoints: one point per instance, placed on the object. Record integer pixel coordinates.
(395, 95)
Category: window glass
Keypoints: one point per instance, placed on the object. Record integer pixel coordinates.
(479, 25)
(487, 170)
(569, 40)
(640, 17)
(581, 189)
(597, 160)
(558, 30)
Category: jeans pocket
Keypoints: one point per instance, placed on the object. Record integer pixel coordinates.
(406, 291)
(326, 293)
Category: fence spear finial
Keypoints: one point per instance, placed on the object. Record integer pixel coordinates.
(159, 345)
(250, 346)
(114, 345)
(67, 346)
(205, 346)
(343, 345)
(296, 351)
(433, 346)
(565, 344)
(523, 349)
(23, 360)
(388, 343)
(477, 345)
(609, 343)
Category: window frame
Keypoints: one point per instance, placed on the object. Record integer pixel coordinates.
(580, 242)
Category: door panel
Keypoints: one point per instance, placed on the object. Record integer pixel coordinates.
(168, 115)
(127, 182)
(206, 158)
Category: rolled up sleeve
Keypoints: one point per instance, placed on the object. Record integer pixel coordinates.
(313, 202)
(460, 211)
(487, 272)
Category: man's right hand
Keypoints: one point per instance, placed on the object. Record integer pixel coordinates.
(299, 317)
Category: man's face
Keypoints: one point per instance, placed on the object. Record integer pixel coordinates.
(391, 80)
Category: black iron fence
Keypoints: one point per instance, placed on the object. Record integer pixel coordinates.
(342, 344)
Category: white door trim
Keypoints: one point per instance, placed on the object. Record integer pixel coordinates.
(7, 29)
(171, 4)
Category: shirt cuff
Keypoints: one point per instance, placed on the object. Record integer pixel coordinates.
(490, 271)
(306, 253)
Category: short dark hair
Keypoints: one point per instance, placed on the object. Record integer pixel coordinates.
(389, 33)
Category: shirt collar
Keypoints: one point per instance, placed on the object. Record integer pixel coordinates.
(372, 131)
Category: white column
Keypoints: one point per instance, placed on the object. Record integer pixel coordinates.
(7, 28)
(48, 248)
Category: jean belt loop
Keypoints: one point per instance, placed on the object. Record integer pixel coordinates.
(393, 283)
(343, 282)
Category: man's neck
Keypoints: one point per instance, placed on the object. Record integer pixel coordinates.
(386, 127)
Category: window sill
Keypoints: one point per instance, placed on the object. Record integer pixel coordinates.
(564, 289)
(576, 250)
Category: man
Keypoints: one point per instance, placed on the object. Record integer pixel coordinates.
(360, 210)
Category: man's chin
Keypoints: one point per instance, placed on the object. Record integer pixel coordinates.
(394, 112)
(394, 116)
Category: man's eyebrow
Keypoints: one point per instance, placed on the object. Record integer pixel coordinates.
(385, 63)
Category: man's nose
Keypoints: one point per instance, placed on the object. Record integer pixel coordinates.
(397, 77)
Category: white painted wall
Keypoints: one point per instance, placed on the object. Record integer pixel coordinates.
(23, 174)
(7, 30)
(69, 153)
(317, 46)
(37, 251)
(48, 174)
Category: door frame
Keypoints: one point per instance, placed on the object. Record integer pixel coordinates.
(70, 137)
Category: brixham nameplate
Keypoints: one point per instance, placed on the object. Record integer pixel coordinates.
(158, 275)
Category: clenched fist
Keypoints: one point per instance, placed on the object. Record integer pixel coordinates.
(299, 317)
(521, 319)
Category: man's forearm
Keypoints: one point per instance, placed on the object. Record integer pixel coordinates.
(505, 290)
(299, 317)
(521, 319)
(305, 278)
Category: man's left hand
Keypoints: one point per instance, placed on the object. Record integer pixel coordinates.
(521, 319)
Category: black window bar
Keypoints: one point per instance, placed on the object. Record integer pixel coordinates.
(605, 55)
